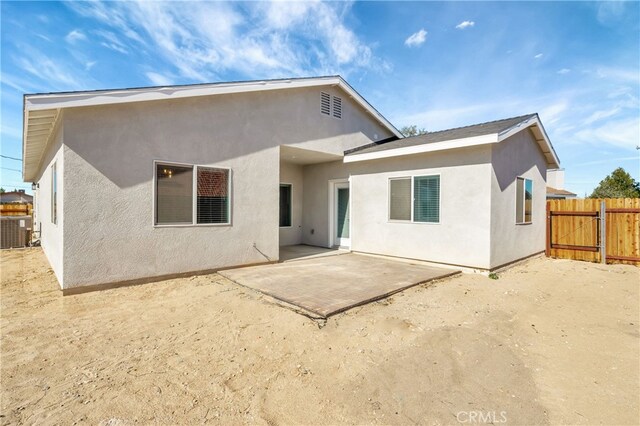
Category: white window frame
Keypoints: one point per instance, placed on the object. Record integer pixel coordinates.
(54, 193)
(412, 178)
(524, 200)
(290, 185)
(194, 188)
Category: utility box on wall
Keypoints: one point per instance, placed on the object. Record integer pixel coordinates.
(15, 231)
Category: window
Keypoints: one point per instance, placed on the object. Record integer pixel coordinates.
(330, 105)
(54, 194)
(285, 205)
(426, 199)
(423, 206)
(174, 194)
(213, 195)
(524, 200)
(400, 199)
(176, 190)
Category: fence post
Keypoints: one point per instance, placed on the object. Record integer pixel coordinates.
(603, 232)
(548, 242)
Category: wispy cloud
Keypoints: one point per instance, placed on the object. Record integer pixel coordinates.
(619, 74)
(204, 40)
(538, 56)
(605, 161)
(564, 71)
(112, 41)
(602, 114)
(622, 133)
(465, 24)
(552, 113)
(74, 36)
(159, 79)
(416, 39)
(54, 74)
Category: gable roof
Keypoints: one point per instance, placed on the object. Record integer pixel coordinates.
(477, 134)
(551, 192)
(42, 111)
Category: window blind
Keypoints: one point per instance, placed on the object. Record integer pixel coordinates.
(54, 194)
(426, 194)
(213, 195)
(400, 199)
(174, 194)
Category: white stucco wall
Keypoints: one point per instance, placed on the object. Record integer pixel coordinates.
(518, 156)
(109, 156)
(555, 178)
(292, 174)
(51, 235)
(461, 237)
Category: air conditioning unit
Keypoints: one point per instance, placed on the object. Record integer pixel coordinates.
(15, 231)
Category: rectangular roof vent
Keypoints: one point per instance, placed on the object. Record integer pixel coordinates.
(337, 107)
(325, 103)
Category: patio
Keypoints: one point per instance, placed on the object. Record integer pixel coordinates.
(326, 283)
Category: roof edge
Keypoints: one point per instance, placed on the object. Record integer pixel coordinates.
(527, 121)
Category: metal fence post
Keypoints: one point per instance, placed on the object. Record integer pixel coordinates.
(603, 232)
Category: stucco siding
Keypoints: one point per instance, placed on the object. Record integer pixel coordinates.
(292, 174)
(51, 234)
(518, 156)
(110, 154)
(461, 237)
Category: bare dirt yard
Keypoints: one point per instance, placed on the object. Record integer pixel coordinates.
(550, 341)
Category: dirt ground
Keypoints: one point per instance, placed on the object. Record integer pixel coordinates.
(550, 341)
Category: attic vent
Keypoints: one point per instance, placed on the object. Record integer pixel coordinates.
(325, 103)
(337, 107)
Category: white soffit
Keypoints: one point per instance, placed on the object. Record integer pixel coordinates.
(37, 133)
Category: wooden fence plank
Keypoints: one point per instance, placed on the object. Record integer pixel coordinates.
(16, 209)
(574, 223)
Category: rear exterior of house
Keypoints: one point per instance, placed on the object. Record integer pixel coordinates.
(147, 183)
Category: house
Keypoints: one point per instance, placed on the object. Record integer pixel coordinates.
(18, 196)
(555, 185)
(151, 182)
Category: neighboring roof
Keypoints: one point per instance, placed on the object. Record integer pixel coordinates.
(559, 192)
(43, 110)
(15, 195)
(477, 134)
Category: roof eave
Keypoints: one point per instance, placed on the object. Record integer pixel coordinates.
(59, 101)
(544, 142)
(424, 148)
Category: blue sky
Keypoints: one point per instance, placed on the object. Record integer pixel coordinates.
(436, 65)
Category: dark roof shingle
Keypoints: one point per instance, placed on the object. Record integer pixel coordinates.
(481, 129)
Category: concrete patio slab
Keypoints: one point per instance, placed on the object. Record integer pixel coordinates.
(325, 286)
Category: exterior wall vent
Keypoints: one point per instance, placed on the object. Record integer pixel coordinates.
(337, 107)
(325, 103)
(330, 105)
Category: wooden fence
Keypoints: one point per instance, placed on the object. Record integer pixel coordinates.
(576, 230)
(16, 209)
